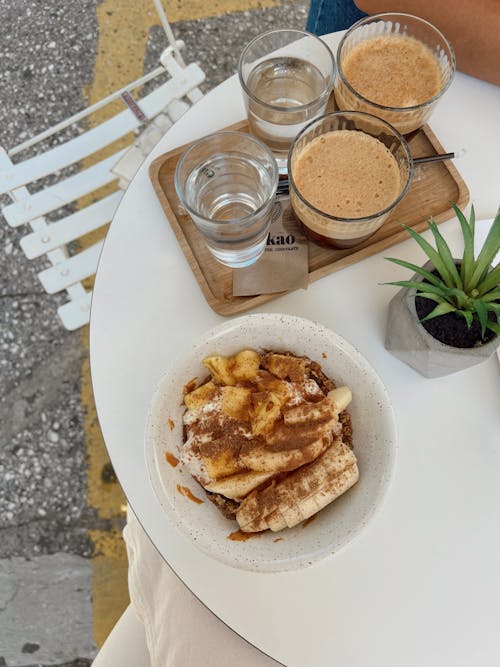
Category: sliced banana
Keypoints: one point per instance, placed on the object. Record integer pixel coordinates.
(245, 365)
(263, 459)
(223, 464)
(238, 368)
(287, 368)
(302, 493)
(266, 410)
(340, 397)
(306, 413)
(219, 367)
(197, 398)
(316, 502)
(274, 521)
(238, 486)
(267, 382)
(236, 402)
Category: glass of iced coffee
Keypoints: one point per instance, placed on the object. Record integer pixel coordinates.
(286, 77)
(396, 66)
(347, 171)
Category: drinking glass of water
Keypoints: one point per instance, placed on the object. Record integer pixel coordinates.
(227, 183)
(286, 77)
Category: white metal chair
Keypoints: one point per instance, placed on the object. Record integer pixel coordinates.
(153, 114)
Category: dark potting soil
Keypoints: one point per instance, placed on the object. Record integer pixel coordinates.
(450, 329)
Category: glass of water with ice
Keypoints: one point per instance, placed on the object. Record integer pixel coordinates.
(286, 76)
(227, 183)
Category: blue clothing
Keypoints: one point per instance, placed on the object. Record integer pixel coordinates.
(330, 15)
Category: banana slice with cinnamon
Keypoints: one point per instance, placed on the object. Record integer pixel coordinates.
(302, 493)
(325, 410)
(310, 412)
(340, 397)
(240, 485)
(262, 458)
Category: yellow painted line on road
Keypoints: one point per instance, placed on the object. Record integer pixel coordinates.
(109, 581)
(187, 10)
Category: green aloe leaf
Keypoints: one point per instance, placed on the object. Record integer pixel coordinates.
(467, 315)
(440, 309)
(493, 308)
(420, 287)
(482, 314)
(491, 281)
(432, 297)
(488, 251)
(461, 298)
(445, 253)
(472, 220)
(467, 265)
(430, 277)
(431, 253)
(484, 275)
(491, 296)
(493, 326)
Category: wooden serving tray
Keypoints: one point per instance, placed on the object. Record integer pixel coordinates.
(433, 187)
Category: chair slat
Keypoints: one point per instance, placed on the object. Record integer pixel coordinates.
(74, 314)
(74, 269)
(75, 149)
(71, 227)
(62, 193)
(65, 154)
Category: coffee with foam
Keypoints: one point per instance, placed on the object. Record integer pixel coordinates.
(347, 174)
(397, 72)
(393, 70)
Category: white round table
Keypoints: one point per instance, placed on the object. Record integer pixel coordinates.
(421, 586)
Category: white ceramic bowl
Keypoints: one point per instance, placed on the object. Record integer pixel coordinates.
(374, 440)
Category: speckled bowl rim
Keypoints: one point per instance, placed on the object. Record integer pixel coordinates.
(219, 550)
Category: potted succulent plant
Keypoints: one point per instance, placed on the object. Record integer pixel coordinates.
(447, 316)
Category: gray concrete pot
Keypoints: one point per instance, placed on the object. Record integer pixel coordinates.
(407, 340)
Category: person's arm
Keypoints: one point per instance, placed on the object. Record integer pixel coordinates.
(472, 27)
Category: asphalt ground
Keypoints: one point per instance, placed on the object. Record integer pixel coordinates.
(62, 561)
